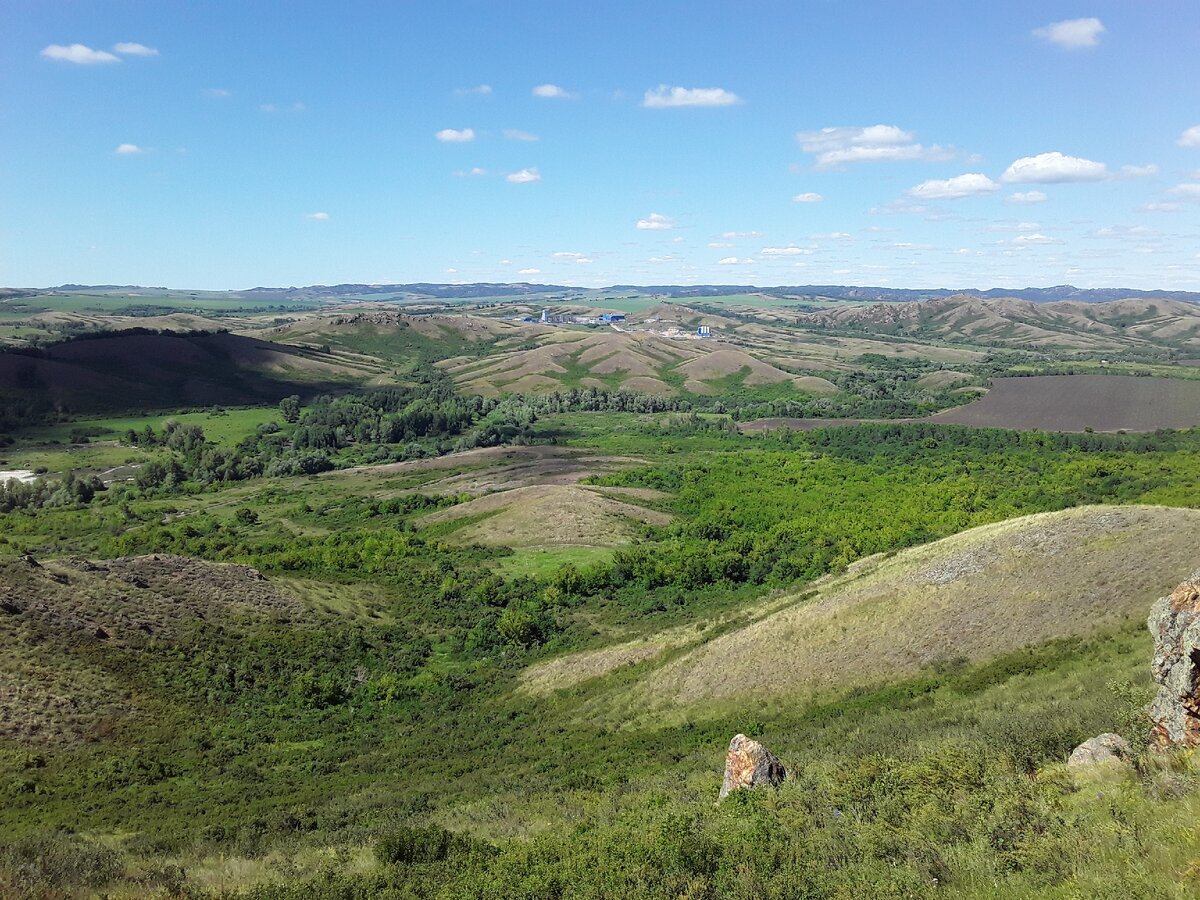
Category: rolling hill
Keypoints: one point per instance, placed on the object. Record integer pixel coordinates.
(974, 595)
(147, 370)
(1112, 326)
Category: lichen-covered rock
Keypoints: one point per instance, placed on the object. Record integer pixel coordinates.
(749, 764)
(1104, 748)
(1175, 624)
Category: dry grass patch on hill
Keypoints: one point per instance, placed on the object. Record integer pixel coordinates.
(974, 595)
(489, 469)
(546, 515)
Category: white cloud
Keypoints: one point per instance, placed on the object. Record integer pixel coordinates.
(216, 92)
(579, 258)
(128, 150)
(739, 235)
(665, 96)
(1025, 198)
(719, 245)
(734, 261)
(530, 272)
(1139, 171)
(317, 216)
(1072, 34)
(832, 236)
(455, 135)
(808, 197)
(481, 90)
(452, 271)
(552, 91)
(129, 48)
(971, 184)
(875, 143)
(516, 134)
(1186, 191)
(789, 250)
(475, 172)
(1123, 232)
(525, 176)
(80, 54)
(655, 222)
(1160, 207)
(1053, 168)
(1190, 138)
(1039, 238)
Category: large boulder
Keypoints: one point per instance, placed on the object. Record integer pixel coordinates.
(1104, 748)
(1175, 624)
(749, 764)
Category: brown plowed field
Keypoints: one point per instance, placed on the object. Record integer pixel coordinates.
(1055, 403)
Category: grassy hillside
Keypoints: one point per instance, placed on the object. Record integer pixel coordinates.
(978, 594)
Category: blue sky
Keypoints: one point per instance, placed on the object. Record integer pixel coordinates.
(914, 144)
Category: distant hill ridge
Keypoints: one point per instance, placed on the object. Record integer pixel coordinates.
(837, 292)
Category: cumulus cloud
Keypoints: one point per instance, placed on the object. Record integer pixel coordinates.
(789, 250)
(734, 261)
(971, 184)
(552, 91)
(1190, 138)
(665, 96)
(456, 135)
(530, 272)
(1072, 34)
(80, 54)
(655, 222)
(1025, 198)
(1123, 232)
(832, 236)
(579, 258)
(1038, 238)
(1160, 207)
(480, 90)
(808, 197)
(875, 143)
(1186, 191)
(739, 235)
(317, 216)
(128, 150)
(516, 134)
(128, 48)
(524, 176)
(1053, 168)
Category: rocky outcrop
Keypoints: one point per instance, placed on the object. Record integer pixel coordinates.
(1104, 748)
(749, 764)
(1175, 624)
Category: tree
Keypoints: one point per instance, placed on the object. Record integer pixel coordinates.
(289, 408)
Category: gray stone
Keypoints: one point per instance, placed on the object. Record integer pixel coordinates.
(749, 764)
(1104, 748)
(1175, 624)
